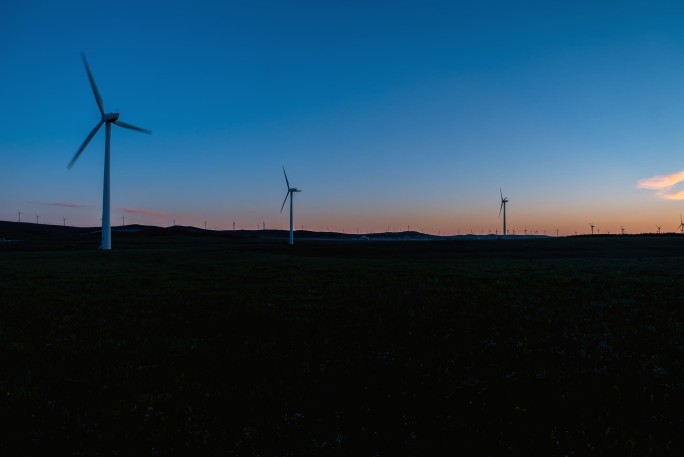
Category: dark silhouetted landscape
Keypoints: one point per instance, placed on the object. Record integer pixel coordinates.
(182, 341)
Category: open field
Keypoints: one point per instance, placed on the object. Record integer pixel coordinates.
(178, 344)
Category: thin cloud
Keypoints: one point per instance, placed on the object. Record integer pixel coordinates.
(145, 212)
(664, 185)
(672, 195)
(66, 204)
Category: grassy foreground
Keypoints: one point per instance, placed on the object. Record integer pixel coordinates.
(211, 346)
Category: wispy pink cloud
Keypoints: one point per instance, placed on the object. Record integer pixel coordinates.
(664, 185)
(661, 182)
(672, 195)
(66, 204)
(146, 212)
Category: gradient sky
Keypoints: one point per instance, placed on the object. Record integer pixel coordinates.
(385, 114)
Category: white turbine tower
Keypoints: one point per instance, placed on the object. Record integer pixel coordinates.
(290, 193)
(504, 201)
(108, 119)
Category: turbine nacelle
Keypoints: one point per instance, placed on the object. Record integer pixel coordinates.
(110, 117)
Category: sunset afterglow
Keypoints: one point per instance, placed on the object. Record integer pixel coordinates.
(387, 117)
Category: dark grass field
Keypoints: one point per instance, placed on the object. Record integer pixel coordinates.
(178, 344)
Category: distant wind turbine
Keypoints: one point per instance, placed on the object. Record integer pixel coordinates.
(592, 228)
(504, 201)
(681, 224)
(108, 119)
(658, 227)
(19, 214)
(290, 193)
(622, 230)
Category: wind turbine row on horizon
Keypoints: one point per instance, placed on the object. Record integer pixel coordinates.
(108, 119)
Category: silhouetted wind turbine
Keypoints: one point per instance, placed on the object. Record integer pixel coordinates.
(290, 193)
(108, 119)
(504, 201)
(19, 214)
(658, 227)
(681, 224)
(622, 230)
(592, 228)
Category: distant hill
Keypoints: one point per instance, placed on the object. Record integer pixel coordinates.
(26, 231)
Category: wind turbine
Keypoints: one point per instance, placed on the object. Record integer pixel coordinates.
(681, 224)
(19, 214)
(592, 228)
(290, 193)
(108, 119)
(658, 227)
(622, 230)
(503, 207)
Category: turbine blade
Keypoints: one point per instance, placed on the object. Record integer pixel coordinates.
(284, 201)
(98, 99)
(501, 208)
(132, 127)
(501, 193)
(286, 181)
(85, 143)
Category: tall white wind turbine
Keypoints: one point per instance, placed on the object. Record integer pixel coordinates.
(504, 201)
(108, 119)
(290, 193)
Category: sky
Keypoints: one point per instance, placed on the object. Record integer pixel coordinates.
(387, 115)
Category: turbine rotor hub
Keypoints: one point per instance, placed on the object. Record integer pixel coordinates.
(110, 117)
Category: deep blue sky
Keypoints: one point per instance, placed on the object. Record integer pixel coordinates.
(384, 113)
